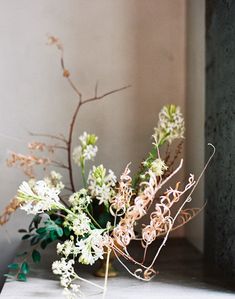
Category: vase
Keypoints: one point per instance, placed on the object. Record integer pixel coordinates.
(112, 272)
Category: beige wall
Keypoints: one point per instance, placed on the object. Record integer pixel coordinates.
(195, 109)
(135, 42)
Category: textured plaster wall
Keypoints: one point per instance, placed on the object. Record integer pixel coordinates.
(220, 130)
(135, 42)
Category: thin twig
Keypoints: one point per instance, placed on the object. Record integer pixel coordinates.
(49, 136)
(95, 98)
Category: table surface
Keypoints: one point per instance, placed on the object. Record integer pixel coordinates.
(181, 275)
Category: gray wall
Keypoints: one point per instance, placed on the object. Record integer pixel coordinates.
(220, 130)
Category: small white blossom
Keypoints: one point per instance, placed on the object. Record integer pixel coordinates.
(67, 248)
(91, 248)
(102, 186)
(38, 198)
(170, 125)
(54, 180)
(80, 199)
(62, 267)
(158, 167)
(90, 152)
(87, 150)
(80, 223)
(77, 154)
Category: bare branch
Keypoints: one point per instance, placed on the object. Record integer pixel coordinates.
(95, 98)
(49, 136)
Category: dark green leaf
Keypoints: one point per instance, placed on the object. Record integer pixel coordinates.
(21, 277)
(53, 235)
(34, 240)
(24, 268)
(59, 231)
(35, 222)
(22, 230)
(44, 244)
(13, 266)
(25, 237)
(41, 230)
(66, 231)
(36, 256)
(21, 254)
(58, 221)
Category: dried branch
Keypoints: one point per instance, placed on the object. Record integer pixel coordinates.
(9, 209)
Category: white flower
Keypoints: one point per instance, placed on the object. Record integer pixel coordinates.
(170, 125)
(87, 139)
(91, 248)
(158, 166)
(87, 150)
(67, 248)
(79, 223)
(62, 266)
(38, 198)
(102, 186)
(80, 199)
(77, 154)
(54, 180)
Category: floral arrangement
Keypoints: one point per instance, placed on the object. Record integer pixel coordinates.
(101, 217)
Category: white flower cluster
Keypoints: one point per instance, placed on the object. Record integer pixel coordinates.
(101, 186)
(170, 125)
(67, 274)
(87, 150)
(38, 198)
(79, 223)
(67, 248)
(157, 166)
(54, 180)
(91, 248)
(80, 200)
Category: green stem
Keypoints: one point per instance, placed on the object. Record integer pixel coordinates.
(83, 174)
(95, 222)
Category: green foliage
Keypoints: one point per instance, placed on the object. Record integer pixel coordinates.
(21, 277)
(13, 266)
(36, 256)
(24, 268)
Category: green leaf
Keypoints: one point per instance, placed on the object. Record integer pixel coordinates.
(34, 240)
(53, 235)
(21, 277)
(36, 256)
(21, 254)
(58, 221)
(44, 244)
(59, 231)
(13, 266)
(25, 237)
(24, 268)
(41, 230)
(22, 230)
(66, 231)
